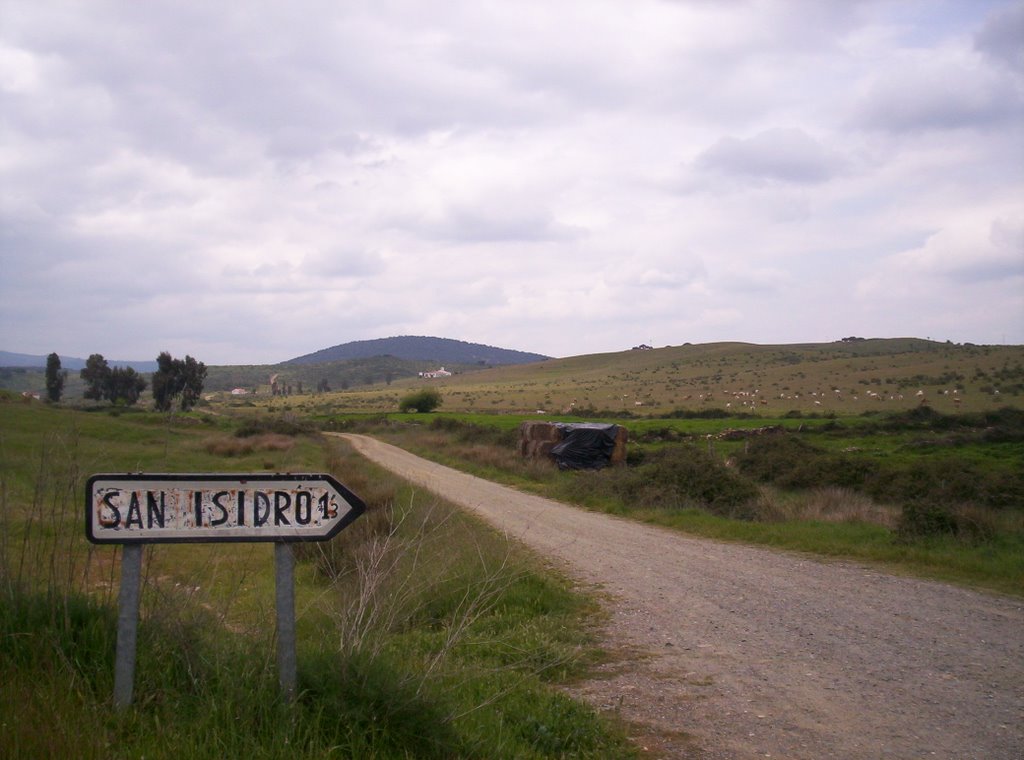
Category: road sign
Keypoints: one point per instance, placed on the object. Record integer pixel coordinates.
(184, 508)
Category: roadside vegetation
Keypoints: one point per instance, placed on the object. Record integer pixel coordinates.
(922, 492)
(420, 632)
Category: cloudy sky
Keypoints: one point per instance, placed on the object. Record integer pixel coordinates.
(246, 182)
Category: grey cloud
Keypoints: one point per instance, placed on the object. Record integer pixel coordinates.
(927, 95)
(494, 220)
(479, 223)
(783, 155)
(1002, 36)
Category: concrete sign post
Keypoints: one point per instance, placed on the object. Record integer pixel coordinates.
(136, 508)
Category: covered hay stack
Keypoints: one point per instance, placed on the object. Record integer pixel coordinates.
(538, 439)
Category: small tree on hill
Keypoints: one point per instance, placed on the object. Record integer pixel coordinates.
(177, 378)
(96, 375)
(426, 400)
(125, 384)
(55, 378)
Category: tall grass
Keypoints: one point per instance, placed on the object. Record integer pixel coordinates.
(420, 633)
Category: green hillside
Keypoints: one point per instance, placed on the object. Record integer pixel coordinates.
(843, 378)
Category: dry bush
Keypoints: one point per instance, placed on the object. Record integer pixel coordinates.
(977, 524)
(835, 504)
(826, 504)
(225, 446)
(489, 456)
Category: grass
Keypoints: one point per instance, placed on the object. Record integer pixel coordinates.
(421, 633)
(872, 376)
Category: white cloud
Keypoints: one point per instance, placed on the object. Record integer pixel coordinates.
(261, 182)
(969, 255)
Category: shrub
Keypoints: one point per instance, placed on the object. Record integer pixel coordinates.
(235, 447)
(778, 459)
(677, 477)
(276, 425)
(920, 519)
(426, 400)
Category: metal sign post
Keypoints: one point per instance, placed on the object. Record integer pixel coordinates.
(127, 624)
(284, 592)
(137, 508)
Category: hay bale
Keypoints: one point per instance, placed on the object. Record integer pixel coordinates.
(619, 452)
(532, 430)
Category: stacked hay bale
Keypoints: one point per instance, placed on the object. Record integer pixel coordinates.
(619, 452)
(536, 439)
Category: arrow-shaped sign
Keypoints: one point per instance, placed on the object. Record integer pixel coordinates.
(179, 508)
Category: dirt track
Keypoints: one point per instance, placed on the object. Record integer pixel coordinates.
(736, 652)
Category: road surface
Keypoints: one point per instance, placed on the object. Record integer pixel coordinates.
(731, 651)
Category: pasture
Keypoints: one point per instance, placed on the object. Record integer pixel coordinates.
(845, 379)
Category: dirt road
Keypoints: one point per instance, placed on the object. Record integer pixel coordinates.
(737, 652)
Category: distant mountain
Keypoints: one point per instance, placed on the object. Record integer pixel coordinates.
(419, 348)
(9, 359)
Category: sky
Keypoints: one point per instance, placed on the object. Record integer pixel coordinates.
(247, 182)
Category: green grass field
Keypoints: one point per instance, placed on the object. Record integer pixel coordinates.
(421, 633)
(845, 379)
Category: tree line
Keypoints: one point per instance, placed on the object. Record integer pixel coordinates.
(175, 381)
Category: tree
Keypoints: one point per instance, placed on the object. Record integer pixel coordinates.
(177, 378)
(164, 382)
(96, 375)
(426, 400)
(54, 378)
(193, 374)
(125, 384)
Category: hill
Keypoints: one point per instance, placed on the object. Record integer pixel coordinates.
(844, 378)
(10, 359)
(848, 377)
(420, 348)
(335, 375)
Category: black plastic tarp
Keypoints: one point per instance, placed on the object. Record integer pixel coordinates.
(585, 445)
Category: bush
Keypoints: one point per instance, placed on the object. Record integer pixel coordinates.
(783, 460)
(677, 477)
(276, 425)
(426, 400)
(920, 519)
(468, 432)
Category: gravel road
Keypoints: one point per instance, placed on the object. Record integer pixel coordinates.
(730, 651)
